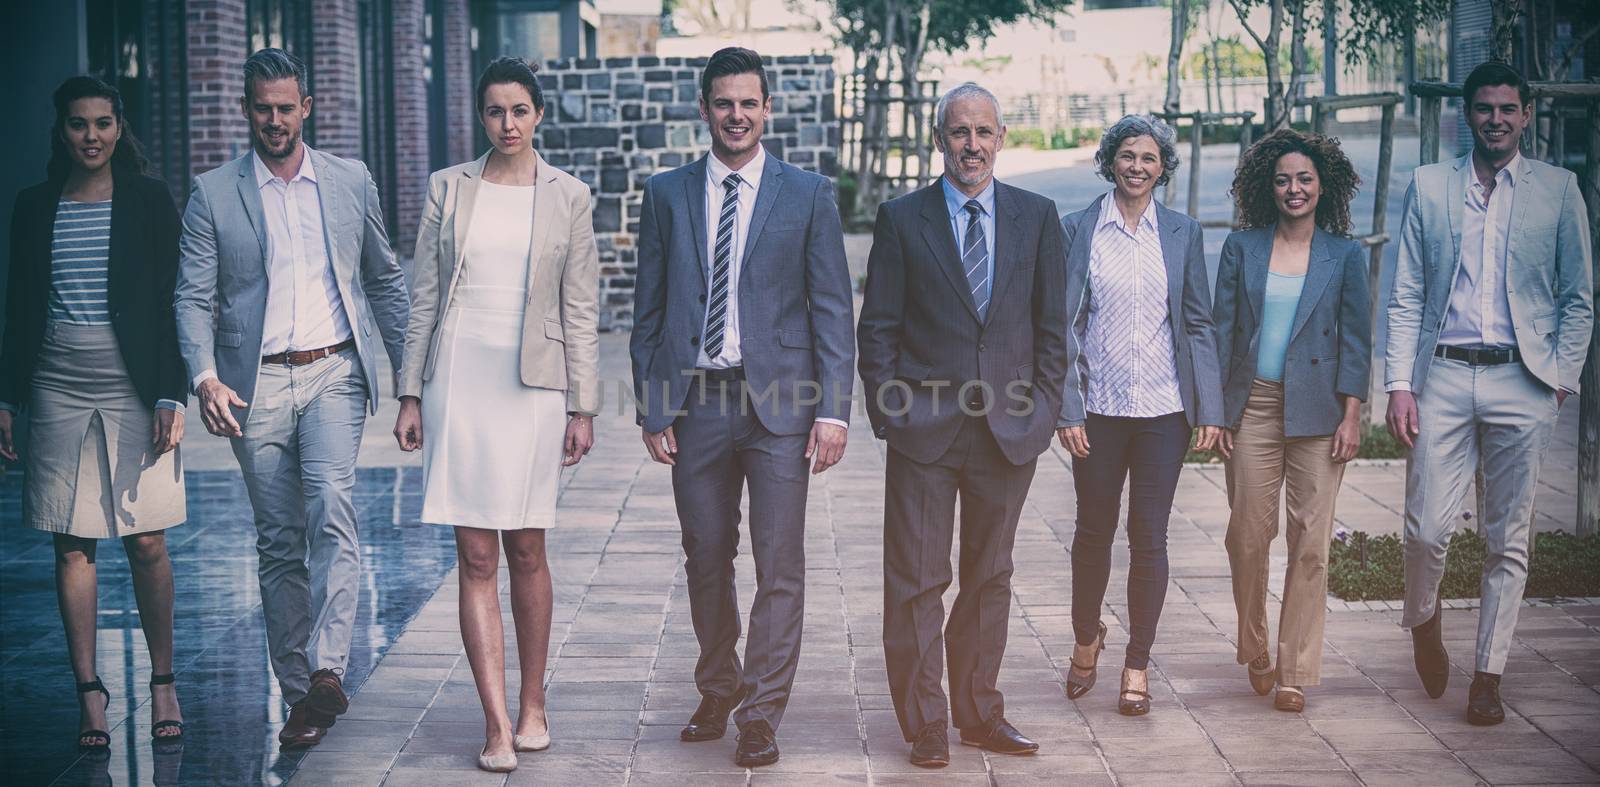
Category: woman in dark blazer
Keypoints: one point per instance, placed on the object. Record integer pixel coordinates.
(91, 356)
(1293, 319)
(1141, 377)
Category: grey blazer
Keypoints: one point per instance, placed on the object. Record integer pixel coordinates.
(1188, 302)
(1330, 341)
(221, 296)
(1549, 283)
(795, 303)
(560, 343)
(923, 344)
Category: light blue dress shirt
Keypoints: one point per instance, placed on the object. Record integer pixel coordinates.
(956, 204)
(1282, 301)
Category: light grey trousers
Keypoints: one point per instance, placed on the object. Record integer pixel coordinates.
(298, 455)
(1505, 415)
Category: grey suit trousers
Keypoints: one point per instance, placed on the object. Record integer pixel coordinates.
(918, 528)
(298, 455)
(1505, 415)
(722, 446)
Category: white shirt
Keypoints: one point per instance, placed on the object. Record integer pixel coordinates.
(750, 184)
(1478, 314)
(1133, 371)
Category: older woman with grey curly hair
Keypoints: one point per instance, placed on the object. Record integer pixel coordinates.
(1142, 374)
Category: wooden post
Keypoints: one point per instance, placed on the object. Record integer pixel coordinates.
(1198, 131)
(1319, 117)
(1589, 402)
(1428, 127)
(1245, 132)
(1380, 214)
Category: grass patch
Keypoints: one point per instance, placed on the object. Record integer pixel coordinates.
(1372, 568)
(1376, 443)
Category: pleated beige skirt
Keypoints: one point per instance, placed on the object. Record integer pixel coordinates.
(91, 467)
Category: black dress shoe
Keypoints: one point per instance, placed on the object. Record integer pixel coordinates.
(758, 745)
(1427, 648)
(1483, 700)
(298, 732)
(710, 720)
(999, 737)
(932, 746)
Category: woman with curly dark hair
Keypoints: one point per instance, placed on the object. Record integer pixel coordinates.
(1295, 343)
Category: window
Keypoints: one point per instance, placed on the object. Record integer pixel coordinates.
(140, 48)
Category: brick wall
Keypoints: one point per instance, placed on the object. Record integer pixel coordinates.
(216, 49)
(336, 109)
(410, 127)
(461, 112)
(616, 122)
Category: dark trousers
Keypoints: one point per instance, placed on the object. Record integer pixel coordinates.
(918, 524)
(1150, 452)
(722, 447)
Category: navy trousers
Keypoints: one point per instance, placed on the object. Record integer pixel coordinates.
(1149, 451)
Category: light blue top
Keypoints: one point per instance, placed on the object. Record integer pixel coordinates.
(80, 255)
(956, 204)
(1283, 299)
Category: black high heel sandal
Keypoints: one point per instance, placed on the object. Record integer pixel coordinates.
(165, 680)
(1077, 685)
(94, 740)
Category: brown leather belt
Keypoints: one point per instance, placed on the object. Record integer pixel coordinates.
(303, 357)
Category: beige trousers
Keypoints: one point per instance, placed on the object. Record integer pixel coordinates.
(1263, 462)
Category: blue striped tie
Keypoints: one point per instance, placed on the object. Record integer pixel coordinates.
(975, 259)
(717, 306)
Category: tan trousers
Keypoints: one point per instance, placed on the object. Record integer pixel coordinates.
(1263, 463)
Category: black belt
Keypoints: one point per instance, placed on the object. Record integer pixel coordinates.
(730, 375)
(1479, 356)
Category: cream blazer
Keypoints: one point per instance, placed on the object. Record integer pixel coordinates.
(560, 344)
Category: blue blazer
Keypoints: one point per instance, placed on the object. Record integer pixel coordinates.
(1330, 341)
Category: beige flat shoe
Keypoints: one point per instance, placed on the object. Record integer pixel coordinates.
(531, 742)
(497, 763)
(1289, 699)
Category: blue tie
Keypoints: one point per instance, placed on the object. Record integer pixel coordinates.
(975, 259)
(717, 306)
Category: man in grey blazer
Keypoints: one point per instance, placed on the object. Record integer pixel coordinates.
(285, 270)
(963, 358)
(1489, 323)
(742, 351)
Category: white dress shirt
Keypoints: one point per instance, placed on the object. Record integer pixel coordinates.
(749, 186)
(304, 310)
(1479, 314)
(1133, 371)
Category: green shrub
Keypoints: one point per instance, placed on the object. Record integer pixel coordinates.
(1376, 443)
(1026, 138)
(1369, 568)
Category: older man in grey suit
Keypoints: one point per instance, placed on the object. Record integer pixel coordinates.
(963, 357)
(285, 269)
(1489, 323)
(742, 352)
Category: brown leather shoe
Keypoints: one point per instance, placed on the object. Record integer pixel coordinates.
(299, 732)
(326, 695)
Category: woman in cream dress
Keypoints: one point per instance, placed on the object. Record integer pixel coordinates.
(499, 386)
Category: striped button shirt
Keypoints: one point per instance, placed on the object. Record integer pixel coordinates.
(80, 257)
(1133, 370)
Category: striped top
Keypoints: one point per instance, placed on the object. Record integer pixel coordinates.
(80, 257)
(1133, 369)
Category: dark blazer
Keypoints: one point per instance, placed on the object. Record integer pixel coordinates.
(794, 298)
(1188, 302)
(920, 333)
(143, 268)
(1330, 342)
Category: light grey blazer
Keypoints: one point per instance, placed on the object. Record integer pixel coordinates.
(1549, 284)
(560, 343)
(795, 303)
(221, 296)
(1330, 341)
(1188, 302)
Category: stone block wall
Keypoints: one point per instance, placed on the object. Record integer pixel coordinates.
(615, 122)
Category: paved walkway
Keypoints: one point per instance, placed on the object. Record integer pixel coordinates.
(620, 674)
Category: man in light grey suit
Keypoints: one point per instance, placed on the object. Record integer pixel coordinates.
(742, 353)
(285, 269)
(1488, 326)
